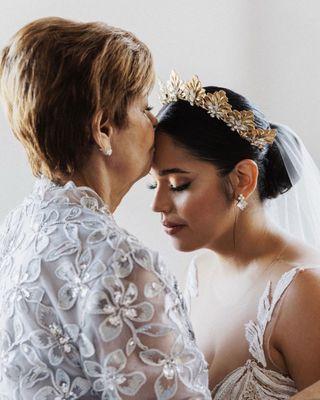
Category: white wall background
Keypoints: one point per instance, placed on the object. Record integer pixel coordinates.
(266, 50)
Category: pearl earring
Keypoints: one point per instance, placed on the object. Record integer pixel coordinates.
(107, 151)
(241, 202)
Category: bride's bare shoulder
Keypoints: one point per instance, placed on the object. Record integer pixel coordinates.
(298, 253)
(302, 297)
(297, 329)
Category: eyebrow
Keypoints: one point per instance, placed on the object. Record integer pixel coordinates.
(165, 172)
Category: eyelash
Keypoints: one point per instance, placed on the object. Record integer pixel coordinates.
(173, 188)
(149, 108)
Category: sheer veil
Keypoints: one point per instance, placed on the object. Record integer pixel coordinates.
(298, 210)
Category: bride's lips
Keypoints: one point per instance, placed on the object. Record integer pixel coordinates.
(172, 228)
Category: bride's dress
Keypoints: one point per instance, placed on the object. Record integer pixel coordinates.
(253, 380)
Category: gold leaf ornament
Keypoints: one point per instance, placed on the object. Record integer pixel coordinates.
(193, 92)
(173, 90)
(240, 121)
(217, 106)
(259, 137)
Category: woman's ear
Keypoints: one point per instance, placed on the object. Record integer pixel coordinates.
(244, 178)
(102, 132)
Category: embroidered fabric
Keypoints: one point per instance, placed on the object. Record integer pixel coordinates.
(87, 311)
(253, 381)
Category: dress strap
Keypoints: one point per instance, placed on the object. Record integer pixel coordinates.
(192, 286)
(255, 329)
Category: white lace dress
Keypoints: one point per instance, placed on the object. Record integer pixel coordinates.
(87, 311)
(253, 381)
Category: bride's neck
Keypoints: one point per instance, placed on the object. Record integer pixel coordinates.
(251, 241)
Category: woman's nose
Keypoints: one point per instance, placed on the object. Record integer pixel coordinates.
(161, 203)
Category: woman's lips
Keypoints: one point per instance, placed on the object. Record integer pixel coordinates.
(174, 230)
(171, 228)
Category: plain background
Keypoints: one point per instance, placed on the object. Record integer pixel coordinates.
(267, 50)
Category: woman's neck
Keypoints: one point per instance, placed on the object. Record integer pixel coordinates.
(99, 175)
(251, 242)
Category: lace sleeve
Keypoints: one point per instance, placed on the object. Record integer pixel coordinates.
(135, 318)
(86, 310)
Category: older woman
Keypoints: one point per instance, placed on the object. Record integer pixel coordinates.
(86, 310)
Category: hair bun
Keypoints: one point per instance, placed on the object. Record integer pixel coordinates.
(276, 177)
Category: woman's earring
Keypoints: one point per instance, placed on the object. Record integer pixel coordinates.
(107, 151)
(241, 202)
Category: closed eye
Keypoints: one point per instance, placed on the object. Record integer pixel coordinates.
(152, 186)
(179, 188)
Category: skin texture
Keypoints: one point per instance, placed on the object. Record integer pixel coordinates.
(198, 207)
(201, 220)
(132, 151)
(311, 393)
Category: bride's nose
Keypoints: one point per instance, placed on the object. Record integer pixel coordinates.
(161, 202)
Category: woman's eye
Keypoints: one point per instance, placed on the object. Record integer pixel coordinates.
(179, 188)
(149, 108)
(152, 186)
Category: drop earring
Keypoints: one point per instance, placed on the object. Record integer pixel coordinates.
(241, 202)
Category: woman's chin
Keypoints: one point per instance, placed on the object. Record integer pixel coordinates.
(184, 246)
(147, 167)
(144, 171)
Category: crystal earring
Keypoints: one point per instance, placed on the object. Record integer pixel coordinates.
(241, 202)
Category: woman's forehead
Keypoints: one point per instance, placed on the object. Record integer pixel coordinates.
(168, 152)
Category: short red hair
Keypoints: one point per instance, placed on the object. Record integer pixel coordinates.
(56, 75)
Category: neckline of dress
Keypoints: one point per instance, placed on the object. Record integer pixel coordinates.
(89, 197)
(253, 363)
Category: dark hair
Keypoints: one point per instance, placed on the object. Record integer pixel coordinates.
(211, 140)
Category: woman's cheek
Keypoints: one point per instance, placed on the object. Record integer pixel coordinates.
(191, 207)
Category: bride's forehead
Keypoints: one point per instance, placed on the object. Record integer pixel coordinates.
(173, 170)
(168, 162)
(166, 148)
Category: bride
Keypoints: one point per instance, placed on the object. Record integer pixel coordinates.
(228, 181)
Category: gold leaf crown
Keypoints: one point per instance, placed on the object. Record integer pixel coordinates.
(217, 106)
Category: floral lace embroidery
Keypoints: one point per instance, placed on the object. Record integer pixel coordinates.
(110, 378)
(174, 365)
(119, 307)
(77, 278)
(63, 389)
(84, 302)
